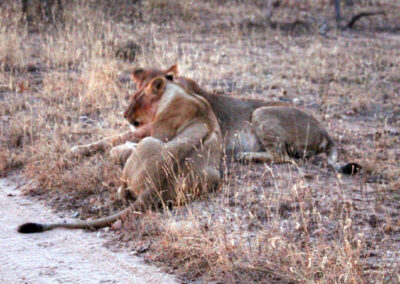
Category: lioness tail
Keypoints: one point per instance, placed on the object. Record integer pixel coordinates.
(347, 169)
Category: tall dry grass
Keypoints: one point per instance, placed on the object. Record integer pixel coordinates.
(62, 84)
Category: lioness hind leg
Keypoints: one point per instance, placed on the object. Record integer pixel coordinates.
(269, 156)
(87, 150)
(276, 128)
(148, 167)
(104, 144)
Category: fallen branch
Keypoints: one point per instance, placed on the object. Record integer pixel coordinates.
(358, 16)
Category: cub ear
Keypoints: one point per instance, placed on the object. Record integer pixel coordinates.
(157, 86)
(173, 69)
(138, 75)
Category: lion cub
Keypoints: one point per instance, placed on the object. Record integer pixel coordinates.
(177, 159)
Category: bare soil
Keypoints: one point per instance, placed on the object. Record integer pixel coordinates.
(60, 256)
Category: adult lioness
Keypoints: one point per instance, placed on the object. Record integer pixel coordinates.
(178, 158)
(253, 130)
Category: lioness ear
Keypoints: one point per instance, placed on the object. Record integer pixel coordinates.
(138, 75)
(173, 69)
(170, 77)
(157, 86)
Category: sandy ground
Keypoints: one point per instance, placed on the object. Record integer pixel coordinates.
(60, 256)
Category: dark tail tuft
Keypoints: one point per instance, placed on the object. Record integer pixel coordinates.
(29, 228)
(350, 169)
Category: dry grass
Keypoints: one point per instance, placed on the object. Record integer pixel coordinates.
(62, 85)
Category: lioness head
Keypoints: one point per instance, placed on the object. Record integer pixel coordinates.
(142, 77)
(143, 106)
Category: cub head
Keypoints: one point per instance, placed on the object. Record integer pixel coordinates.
(142, 77)
(144, 103)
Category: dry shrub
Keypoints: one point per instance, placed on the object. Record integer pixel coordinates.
(83, 187)
(164, 11)
(16, 136)
(9, 161)
(99, 79)
(14, 49)
(249, 233)
(61, 89)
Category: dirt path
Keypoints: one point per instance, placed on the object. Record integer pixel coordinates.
(60, 256)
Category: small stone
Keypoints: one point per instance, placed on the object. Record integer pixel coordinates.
(75, 215)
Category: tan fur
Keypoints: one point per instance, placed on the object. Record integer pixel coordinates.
(179, 155)
(141, 79)
(255, 130)
(187, 138)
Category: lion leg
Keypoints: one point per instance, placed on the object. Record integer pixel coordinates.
(271, 137)
(290, 130)
(148, 167)
(267, 156)
(87, 150)
(104, 144)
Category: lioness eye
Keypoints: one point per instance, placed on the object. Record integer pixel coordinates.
(136, 123)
